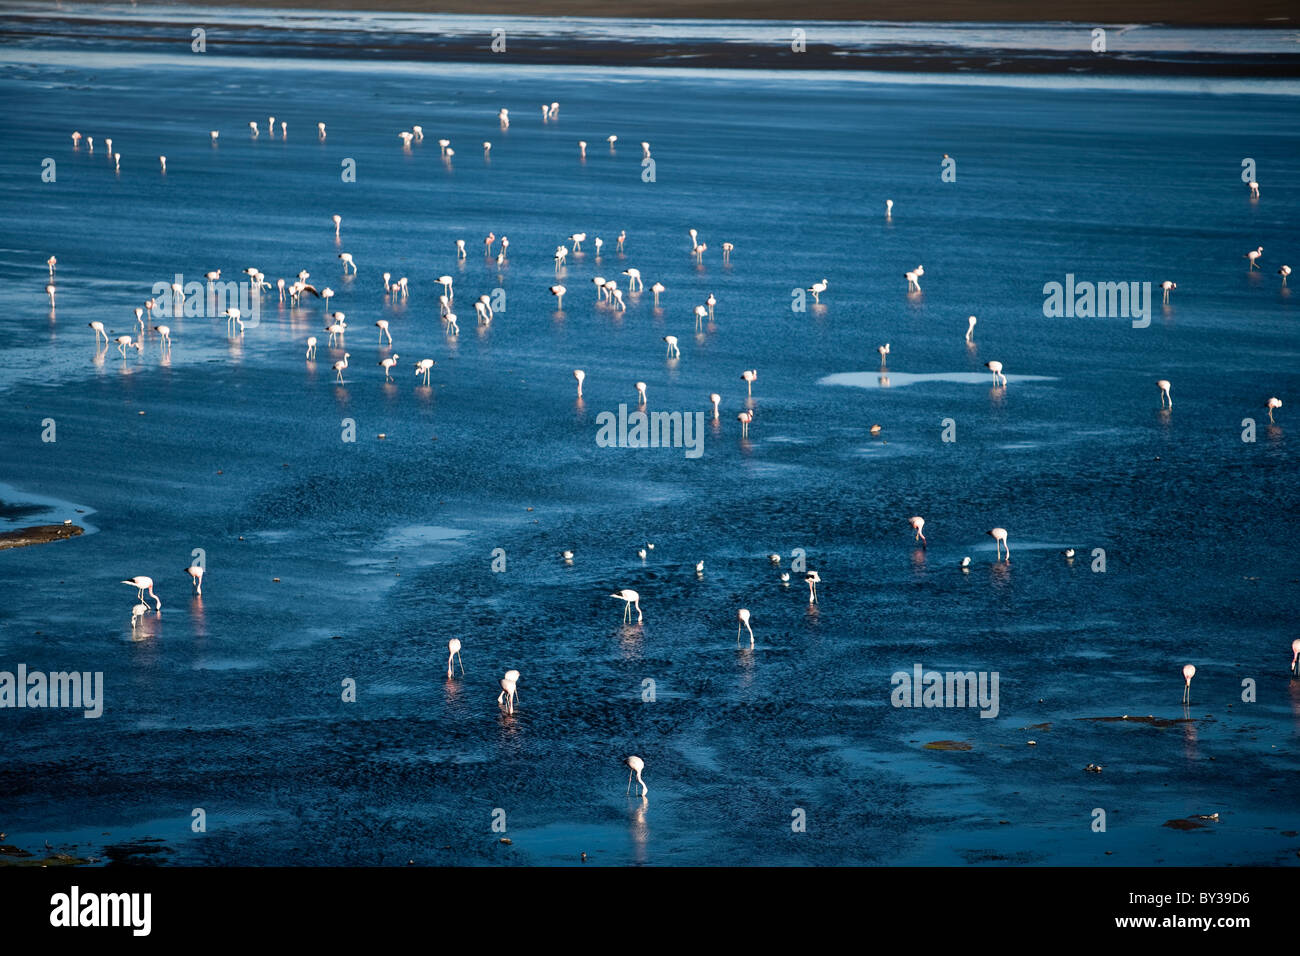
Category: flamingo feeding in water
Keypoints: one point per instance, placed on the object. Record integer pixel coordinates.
(1163, 385)
(999, 536)
(715, 398)
(918, 523)
(143, 584)
(99, 330)
(579, 374)
(1168, 287)
(742, 618)
(453, 651)
(996, 369)
(195, 571)
(635, 766)
(970, 327)
(812, 579)
(630, 598)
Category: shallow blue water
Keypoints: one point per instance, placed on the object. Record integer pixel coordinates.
(382, 548)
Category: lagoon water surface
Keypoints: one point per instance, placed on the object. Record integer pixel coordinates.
(331, 561)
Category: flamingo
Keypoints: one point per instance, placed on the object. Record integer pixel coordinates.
(195, 571)
(311, 348)
(567, 556)
(99, 330)
(622, 237)
(336, 330)
(141, 583)
(673, 350)
(124, 342)
(163, 160)
(914, 279)
(970, 327)
(487, 148)
(749, 376)
(347, 261)
(715, 398)
(634, 283)
(555, 111)
(388, 364)
(558, 291)
(1189, 671)
(1295, 657)
(582, 148)
(446, 282)
(889, 208)
(618, 302)
(340, 365)
(774, 559)
(452, 327)
(1284, 272)
(611, 140)
(579, 374)
(578, 238)
(166, 333)
(1254, 257)
(640, 393)
(699, 252)
(453, 651)
(382, 325)
(488, 240)
(817, 288)
(504, 117)
(710, 302)
(138, 611)
(1272, 404)
(630, 598)
(996, 369)
(599, 283)
(320, 130)
(76, 139)
(460, 248)
(742, 617)
(1254, 189)
(999, 536)
(508, 691)
(50, 290)
(561, 253)
(1163, 385)
(338, 220)
(406, 138)
(812, 579)
(918, 523)
(423, 366)
(635, 766)
(659, 287)
(701, 313)
(727, 247)
(1168, 287)
(214, 134)
(745, 418)
(883, 350)
(51, 262)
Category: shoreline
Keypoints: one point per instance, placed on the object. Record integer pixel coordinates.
(1207, 13)
(38, 534)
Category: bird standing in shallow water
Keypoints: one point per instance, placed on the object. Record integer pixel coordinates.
(635, 766)
(1163, 385)
(1189, 671)
(742, 617)
(630, 598)
(918, 523)
(1272, 404)
(453, 651)
(999, 536)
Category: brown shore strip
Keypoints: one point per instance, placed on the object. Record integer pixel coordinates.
(1271, 13)
(38, 534)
